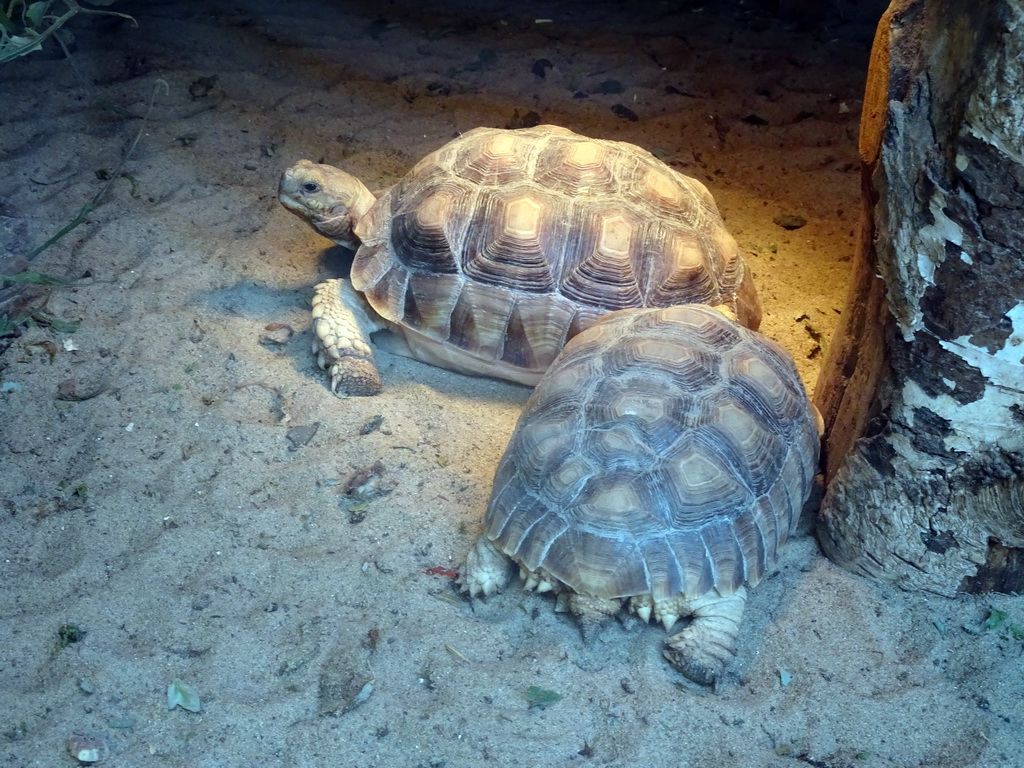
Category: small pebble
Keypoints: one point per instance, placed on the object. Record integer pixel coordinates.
(87, 749)
(790, 221)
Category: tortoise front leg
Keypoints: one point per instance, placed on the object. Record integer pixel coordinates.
(342, 324)
(708, 644)
(486, 569)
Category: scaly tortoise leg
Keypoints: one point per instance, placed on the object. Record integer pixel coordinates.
(708, 643)
(342, 325)
(486, 569)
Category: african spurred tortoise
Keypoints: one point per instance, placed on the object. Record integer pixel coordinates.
(497, 248)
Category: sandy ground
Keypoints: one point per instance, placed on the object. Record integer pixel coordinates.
(174, 470)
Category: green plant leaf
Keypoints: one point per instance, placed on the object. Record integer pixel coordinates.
(994, 620)
(34, 23)
(182, 695)
(61, 326)
(16, 45)
(35, 278)
(35, 12)
(541, 697)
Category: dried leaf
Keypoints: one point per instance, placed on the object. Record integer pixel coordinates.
(455, 652)
(541, 67)
(610, 86)
(621, 110)
(301, 435)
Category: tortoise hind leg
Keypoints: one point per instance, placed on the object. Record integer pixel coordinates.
(708, 644)
(342, 324)
(591, 612)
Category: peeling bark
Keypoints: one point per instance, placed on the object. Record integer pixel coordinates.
(923, 389)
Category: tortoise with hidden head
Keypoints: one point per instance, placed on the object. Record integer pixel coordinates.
(661, 462)
(497, 248)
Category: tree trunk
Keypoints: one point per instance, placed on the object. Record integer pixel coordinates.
(923, 388)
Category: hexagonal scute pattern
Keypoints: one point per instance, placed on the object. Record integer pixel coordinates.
(558, 228)
(665, 452)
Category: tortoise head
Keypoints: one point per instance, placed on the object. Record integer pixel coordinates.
(331, 200)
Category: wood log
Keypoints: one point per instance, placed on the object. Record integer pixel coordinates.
(922, 390)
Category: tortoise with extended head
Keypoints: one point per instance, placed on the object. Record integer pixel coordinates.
(497, 248)
(661, 462)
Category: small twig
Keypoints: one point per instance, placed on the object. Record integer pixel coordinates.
(91, 205)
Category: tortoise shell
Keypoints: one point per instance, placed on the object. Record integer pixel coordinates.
(504, 244)
(666, 452)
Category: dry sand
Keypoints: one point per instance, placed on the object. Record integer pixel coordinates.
(173, 470)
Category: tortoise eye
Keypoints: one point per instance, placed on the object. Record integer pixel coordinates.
(311, 187)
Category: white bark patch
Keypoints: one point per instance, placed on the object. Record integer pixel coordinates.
(913, 277)
(982, 424)
(987, 420)
(995, 113)
(935, 236)
(926, 267)
(1005, 366)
